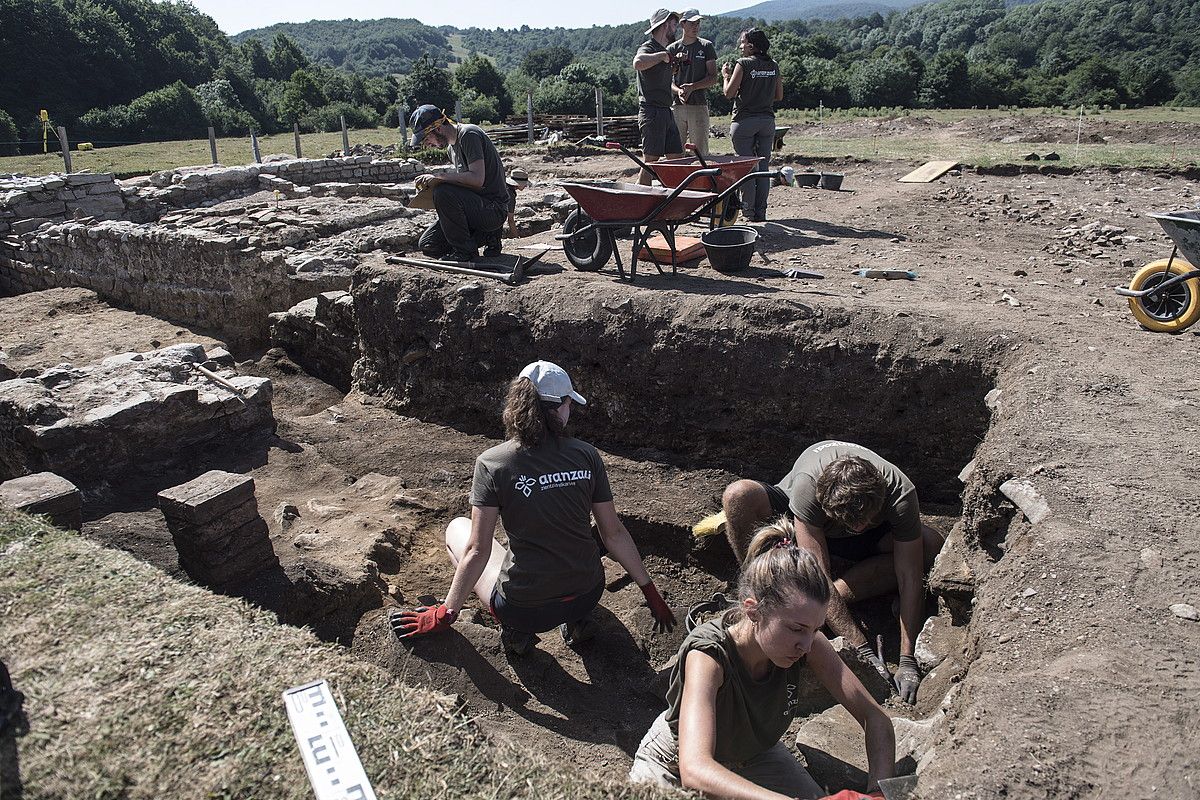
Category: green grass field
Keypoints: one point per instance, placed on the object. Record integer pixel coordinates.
(142, 159)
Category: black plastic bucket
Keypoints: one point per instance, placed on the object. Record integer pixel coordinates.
(730, 249)
(810, 179)
(831, 180)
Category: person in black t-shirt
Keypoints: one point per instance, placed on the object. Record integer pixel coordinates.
(754, 85)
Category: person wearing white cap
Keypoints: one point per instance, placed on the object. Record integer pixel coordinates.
(656, 124)
(695, 62)
(546, 486)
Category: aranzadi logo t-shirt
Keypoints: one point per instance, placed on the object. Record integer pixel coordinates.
(545, 497)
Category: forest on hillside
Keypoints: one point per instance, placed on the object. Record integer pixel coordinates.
(136, 70)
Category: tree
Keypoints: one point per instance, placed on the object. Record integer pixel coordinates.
(882, 82)
(1094, 82)
(946, 81)
(480, 75)
(301, 95)
(286, 57)
(256, 57)
(1150, 83)
(546, 61)
(428, 83)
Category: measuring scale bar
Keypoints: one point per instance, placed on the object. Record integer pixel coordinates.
(329, 756)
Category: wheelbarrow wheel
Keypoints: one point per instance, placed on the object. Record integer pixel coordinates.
(732, 205)
(586, 251)
(1175, 309)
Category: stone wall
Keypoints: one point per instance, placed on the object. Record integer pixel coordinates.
(321, 336)
(29, 202)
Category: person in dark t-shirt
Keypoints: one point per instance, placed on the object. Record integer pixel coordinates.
(546, 487)
(738, 679)
(755, 86)
(695, 69)
(656, 123)
(472, 201)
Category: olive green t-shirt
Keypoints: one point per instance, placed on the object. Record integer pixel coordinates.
(900, 506)
(756, 94)
(751, 715)
(545, 496)
(699, 53)
(654, 84)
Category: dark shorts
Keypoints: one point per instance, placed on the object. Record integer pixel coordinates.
(546, 617)
(660, 135)
(852, 548)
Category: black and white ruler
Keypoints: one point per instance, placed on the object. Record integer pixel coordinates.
(329, 756)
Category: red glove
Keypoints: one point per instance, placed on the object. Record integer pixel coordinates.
(664, 618)
(420, 621)
(850, 794)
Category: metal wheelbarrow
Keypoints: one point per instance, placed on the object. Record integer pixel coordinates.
(1164, 295)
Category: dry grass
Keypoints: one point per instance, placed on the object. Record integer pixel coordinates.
(138, 686)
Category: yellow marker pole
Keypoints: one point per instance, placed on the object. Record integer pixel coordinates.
(45, 118)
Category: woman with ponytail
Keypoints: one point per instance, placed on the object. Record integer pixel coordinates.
(547, 487)
(734, 687)
(755, 86)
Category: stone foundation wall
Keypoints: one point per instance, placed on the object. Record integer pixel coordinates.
(26, 203)
(210, 281)
(320, 335)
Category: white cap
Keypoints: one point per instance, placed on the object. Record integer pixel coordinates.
(552, 382)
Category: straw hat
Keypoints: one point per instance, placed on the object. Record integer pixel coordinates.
(517, 177)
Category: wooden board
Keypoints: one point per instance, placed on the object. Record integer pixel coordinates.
(422, 200)
(929, 172)
(687, 248)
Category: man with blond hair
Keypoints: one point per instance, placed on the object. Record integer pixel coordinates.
(849, 503)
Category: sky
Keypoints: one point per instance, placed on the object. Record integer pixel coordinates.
(235, 16)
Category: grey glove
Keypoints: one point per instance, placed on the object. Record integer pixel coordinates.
(871, 657)
(908, 679)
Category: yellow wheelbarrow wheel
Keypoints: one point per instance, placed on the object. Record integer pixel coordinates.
(1173, 310)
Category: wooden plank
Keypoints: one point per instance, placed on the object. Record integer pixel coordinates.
(929, 171)
(687, 248)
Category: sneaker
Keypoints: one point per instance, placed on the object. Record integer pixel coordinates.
(517, 642)
(576, 633)
(466, 256)
(492, 250)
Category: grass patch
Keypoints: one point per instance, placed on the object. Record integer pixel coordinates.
(138, 686)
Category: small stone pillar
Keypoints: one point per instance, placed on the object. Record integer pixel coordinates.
(220, 536)
(45, 493)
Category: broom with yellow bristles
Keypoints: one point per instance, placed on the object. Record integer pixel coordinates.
(713, 523)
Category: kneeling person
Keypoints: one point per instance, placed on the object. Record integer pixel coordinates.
(471, 202)
(849, 502)
(734, 687)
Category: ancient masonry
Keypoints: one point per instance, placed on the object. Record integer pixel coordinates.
(221, 538)
(218, 248)
(46, 494)
(130, 414)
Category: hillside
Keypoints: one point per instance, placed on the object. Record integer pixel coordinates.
(780, 10)
(375, 47)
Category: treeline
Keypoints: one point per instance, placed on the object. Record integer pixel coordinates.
(128, 71)
(378, 47)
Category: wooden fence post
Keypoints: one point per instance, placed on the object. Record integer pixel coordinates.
(254, 147)
(529, 115)
(66, 147)
(458, 111)
(296, 133)
(345, 136)
(212, 143)
(404, 126)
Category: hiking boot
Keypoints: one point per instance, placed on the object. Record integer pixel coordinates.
(492, 250)
(517, 642)
(465, 256)
(576, 633)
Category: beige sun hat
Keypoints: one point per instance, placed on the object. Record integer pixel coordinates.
(659, 17)
(517, 177)
(690, 15)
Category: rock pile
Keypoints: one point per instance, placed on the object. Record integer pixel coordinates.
(134, 413)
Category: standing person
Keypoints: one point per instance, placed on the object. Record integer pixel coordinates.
(754, 85)
(472, 201)
(732, 692)
(695, 63)
(850, 502)
(656, 123)
(547, 487)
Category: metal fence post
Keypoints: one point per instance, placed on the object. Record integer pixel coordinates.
(599, 111)
(212, 143)
(529, 115)
(296, 133)
(345, 136)
(66, 147)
